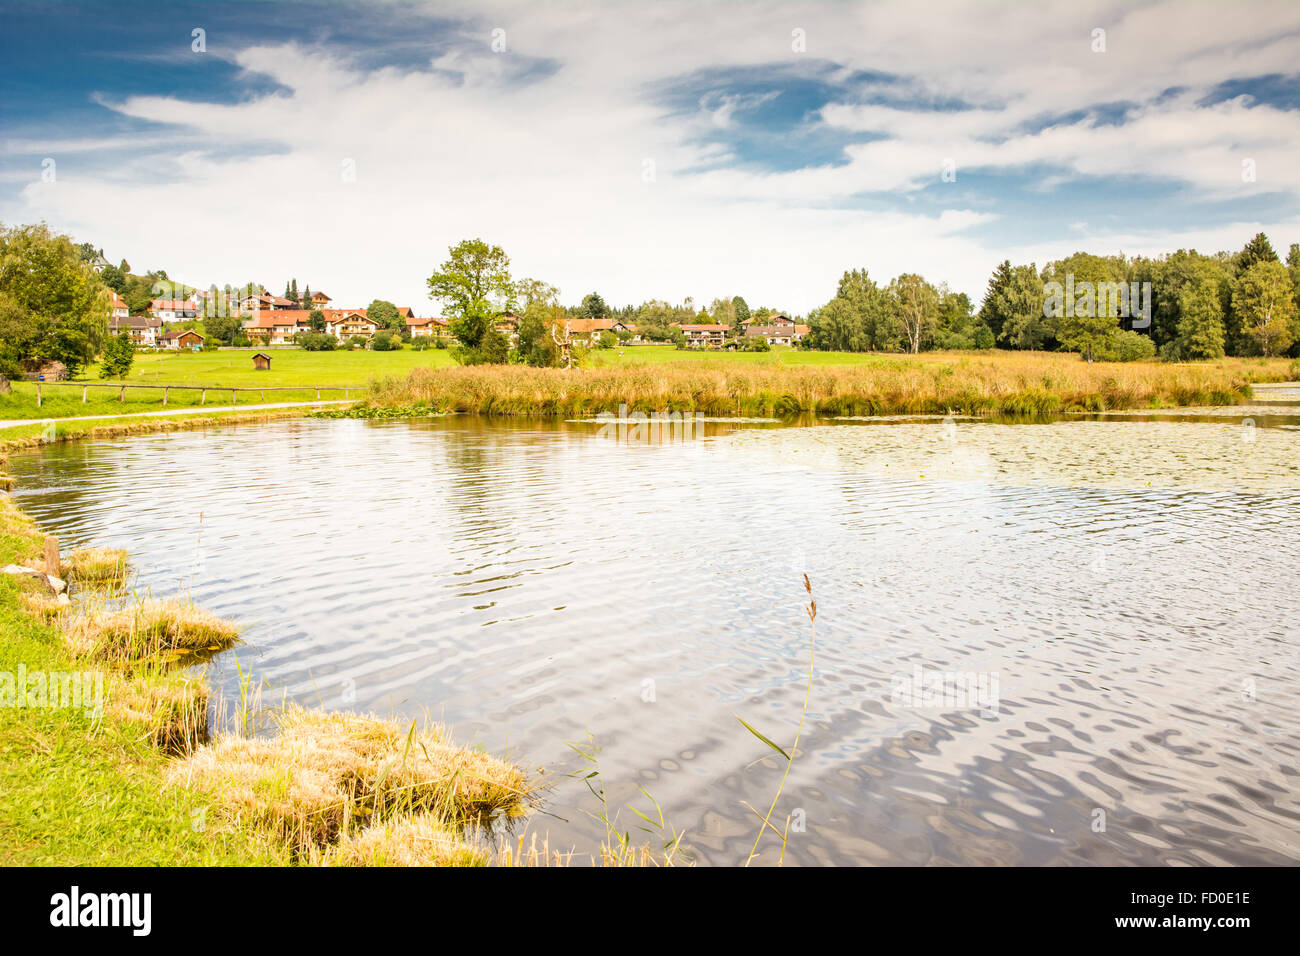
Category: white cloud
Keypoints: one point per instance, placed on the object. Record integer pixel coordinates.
(553, 169)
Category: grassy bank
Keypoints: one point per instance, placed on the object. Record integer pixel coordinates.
(128, 775)
(972, 383)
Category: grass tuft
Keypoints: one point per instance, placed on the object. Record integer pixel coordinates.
(328, 774)
(148, 629)
(96, 567)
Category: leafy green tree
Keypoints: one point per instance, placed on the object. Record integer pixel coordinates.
(1264, 302)
(860, 318)
(119, 355)
(386, 314)
(1200, 317)
(916, 303)
(53, 307)
(222, 327)
(1088, 323)
(316, 320)
(114, 278)
(1018, 307)
(474, 285)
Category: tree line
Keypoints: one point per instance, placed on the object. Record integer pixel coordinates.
(1193, 306)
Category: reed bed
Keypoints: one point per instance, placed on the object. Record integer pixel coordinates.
(327, 775)
(1012, 384)
(146, 630)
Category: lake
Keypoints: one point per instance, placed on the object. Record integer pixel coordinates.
(1063, 643)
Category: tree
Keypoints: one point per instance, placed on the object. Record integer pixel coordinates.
(386, 315)
(221, 327)
(1018, 307)
(593, 307)
(1258, 249)
(1087, 323)
(119, 355)
(916, 302)
(1200, 317)
(53, 307)
(1264, 302)
(474, 285)
(114, 278)
(316, 320)
(742, 310)
(991, 309)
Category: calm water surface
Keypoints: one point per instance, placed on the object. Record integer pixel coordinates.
(1131, 585)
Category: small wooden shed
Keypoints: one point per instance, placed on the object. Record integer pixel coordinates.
(262, 362)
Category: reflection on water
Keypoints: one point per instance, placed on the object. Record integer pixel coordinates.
(1130, 588)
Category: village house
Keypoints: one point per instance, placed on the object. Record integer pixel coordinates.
(170, 310)
(345, 323)
(777, 329)
(426, 328)
(276, 326)
(181, 340)
(265, 302)
(588, 330)
(144, 329)
(704, 336)
(319, 300)
(118, 309)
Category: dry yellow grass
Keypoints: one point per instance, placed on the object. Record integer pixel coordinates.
(147, 629)
(96, 567)
(418, 840)
(326, 774)
(976, 383)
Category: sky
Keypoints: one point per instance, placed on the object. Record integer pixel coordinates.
(647, 150)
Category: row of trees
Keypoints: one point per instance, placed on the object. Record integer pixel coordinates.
(1200, 306)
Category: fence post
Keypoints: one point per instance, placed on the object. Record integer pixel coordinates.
(165, 391)
(121, 394)
(83, 394)
(52, 555)
(233, 400)
(318, 394)
(203, 397)
(38, 394)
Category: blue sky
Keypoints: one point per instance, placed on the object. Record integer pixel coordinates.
(646, 150)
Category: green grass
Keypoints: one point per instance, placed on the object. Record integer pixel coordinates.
(289, 367)
(82, 792)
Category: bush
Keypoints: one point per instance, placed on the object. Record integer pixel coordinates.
(1295, 371)
(317, 341)
(119, 354)
(607, 340)
(1127, 347)
(440, 341)
(386, 342)
(756, 343)
(984, 337)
